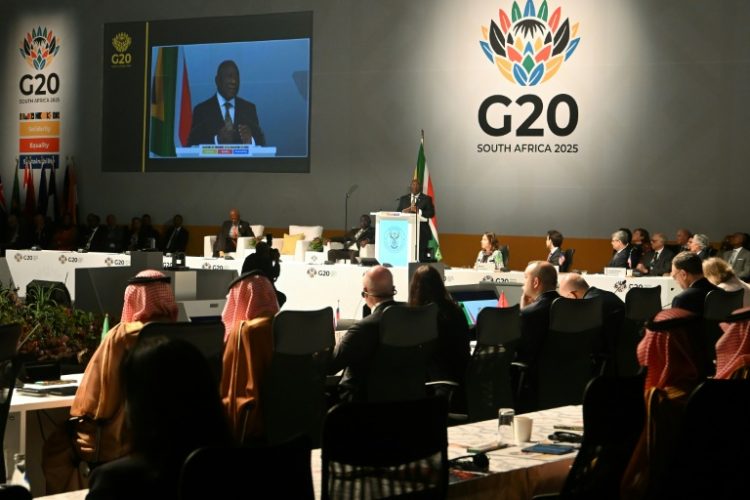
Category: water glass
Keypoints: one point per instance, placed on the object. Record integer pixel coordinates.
(505, 426)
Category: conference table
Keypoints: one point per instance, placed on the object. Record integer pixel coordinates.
(513, 474)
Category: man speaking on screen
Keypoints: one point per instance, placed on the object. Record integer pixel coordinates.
(226, 118)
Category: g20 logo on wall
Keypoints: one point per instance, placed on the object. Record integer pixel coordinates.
(121, 42)
(39, 48)
(529, 47)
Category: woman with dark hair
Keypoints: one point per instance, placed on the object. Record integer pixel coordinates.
(452, 354)
(490, 252)
(173, 408)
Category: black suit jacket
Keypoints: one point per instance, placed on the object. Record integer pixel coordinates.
(355, 351)
(554, 257)
(534, 327)
(98, 243)
(620, 259)
(424, 203)
(660, 266)
(208, 119)
(224, 243)
(178, 242)
(693, 297)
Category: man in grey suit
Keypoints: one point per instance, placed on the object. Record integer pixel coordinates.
(739, 256)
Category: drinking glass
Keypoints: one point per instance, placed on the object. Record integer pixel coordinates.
(505, 426)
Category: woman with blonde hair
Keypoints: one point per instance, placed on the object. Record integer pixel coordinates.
(720, 273)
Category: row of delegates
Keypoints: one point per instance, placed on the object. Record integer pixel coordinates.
(490, 252)
(100, 433)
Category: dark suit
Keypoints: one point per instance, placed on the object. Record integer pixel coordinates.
(224, 241)
(175, 241)
(424, 203)
(354, 236)
(355, 351)
(620, 259)
(693, 297)
(661, 265)
(208, 119)
(704, 253)
(97, 243)
(130, 477)
(554, 257)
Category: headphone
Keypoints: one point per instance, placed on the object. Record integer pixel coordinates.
(379, 295)
(479, 462)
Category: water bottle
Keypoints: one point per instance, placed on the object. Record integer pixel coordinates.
(19, 476)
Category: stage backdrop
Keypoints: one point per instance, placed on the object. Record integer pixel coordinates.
(580, 115)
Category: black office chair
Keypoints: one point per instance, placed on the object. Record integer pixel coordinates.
(294, 400)
(488, 384)
(207, 337)
(613, 419)
(9, 366)
(407, 342)
(14, 492)
(568, 254)
(718, 306)
(568, 357)
(505, 251)
(281, 471)
(641, 304)
(386, 450)
(710, 458)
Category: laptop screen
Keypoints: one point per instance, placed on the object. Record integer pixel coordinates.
(473, 301)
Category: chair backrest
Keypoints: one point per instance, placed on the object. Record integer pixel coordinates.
(208, 337)
(14, 492)
(228, 472)
(498, 325)
(505, 250)
(208, 245)
(401, 449)
(9, 366)
(407, 342)
(294, 393)
(488, 383)
(566, 362)
(642, 303)
(719, 304)
(565, 266)
(710, 458)
(613, 419)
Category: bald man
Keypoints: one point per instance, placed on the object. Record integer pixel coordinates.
(574, 286)
(357, 347)
(226, 240)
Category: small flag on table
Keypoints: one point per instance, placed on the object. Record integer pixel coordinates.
(502, 301)
(338, 313)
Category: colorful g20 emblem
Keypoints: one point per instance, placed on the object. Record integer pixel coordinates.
(529, 47)
(39, 48)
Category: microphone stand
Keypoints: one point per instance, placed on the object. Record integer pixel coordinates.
(346, 208)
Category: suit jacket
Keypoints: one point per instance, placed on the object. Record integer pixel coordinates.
(741, 264)
(178, 242)
(534, 327)
(660, 266)
(693, 297)
(208, 119)
(554, 257)
(98, 242)
(224, 243)
(354, 353)
(424, 203)
(704, 254)
(620, 259)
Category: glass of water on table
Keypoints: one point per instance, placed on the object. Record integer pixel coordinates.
(505, 426)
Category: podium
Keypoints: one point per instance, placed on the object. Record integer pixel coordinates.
(396, 238)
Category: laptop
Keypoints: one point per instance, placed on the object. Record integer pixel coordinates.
(473, 298)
